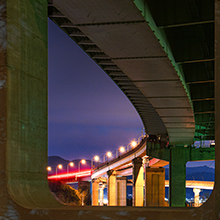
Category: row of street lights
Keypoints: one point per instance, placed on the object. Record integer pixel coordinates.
(96, 158)
(70, 164)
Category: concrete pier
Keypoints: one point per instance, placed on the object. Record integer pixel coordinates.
(154, 186)
(138, 182)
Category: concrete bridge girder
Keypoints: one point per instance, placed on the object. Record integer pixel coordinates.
(139, 58)
(23, 88)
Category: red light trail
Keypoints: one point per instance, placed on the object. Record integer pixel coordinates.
(70, 175)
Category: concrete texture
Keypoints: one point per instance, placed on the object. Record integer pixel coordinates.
(112, 188)
(24, 193)
(155, 186)
(138, 182)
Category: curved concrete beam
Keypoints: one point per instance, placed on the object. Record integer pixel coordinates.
(138, 59)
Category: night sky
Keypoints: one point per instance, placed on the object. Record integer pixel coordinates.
(88, 113)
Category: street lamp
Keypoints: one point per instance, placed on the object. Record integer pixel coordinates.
(120, 150)
(83, 161)
(108, 154)
(49, 169)
(132, 144)
(70, 164)
(60, 166)
(96, 159)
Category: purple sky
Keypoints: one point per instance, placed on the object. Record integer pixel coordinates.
(88, 113)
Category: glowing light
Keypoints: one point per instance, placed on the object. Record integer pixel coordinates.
(122, 149)
(83, 161)
(49, 169)
(96, 158)
(60, 166)
(71, 164)
(109, 154)
(133, 143)
(64, 176)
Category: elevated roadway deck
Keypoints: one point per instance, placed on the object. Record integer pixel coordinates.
(130, 48)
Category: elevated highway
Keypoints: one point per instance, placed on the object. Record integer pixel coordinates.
(138, 50)
(186, 28)
(131, 49)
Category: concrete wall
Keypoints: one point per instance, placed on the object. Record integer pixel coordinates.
(24, 193)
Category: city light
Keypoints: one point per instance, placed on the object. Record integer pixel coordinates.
(133, 143)
(49, 169)
(96, 158)
(109, 154)
(70, 164)
(83, 161)
(59, 166)
(122, 149)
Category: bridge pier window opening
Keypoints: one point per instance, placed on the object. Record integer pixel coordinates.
(78, 88)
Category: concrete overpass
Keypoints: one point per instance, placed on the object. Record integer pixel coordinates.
(186, 29)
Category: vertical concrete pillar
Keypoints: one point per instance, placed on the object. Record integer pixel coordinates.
(154, 186)
(196, 196)
(101, 194)
(23, 107)
(138, 182)
(95, 192)
(121, 191)
(217, 103)
(177, 178)
(112, 188)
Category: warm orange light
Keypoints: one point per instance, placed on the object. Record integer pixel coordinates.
(60, 166)
(83, 161)
(109, 154)
(49, 168)
(71, 164)
(96, 158)
(122, 149)
(133, 143)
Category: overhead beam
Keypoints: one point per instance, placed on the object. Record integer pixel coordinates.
(205, 99)
(186, 24)
(200, 82)
(196, 61)
(207, 112)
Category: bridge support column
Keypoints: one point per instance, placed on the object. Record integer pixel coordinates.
(177, 178)
(95, 192)
(112, 188)
(138, 182)
(196, 196)
(154, 186)
(101, 194)
(121, 191)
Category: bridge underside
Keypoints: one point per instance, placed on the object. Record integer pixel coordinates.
(189, 27)
(123, 42)
(24, 192)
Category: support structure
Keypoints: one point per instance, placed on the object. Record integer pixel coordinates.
(154, 186)
(95, 192)
(196, 196)
(23, 121)
(138, 182)
(121, 191)
(101, 194)
(112, 188)
(177, 178)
